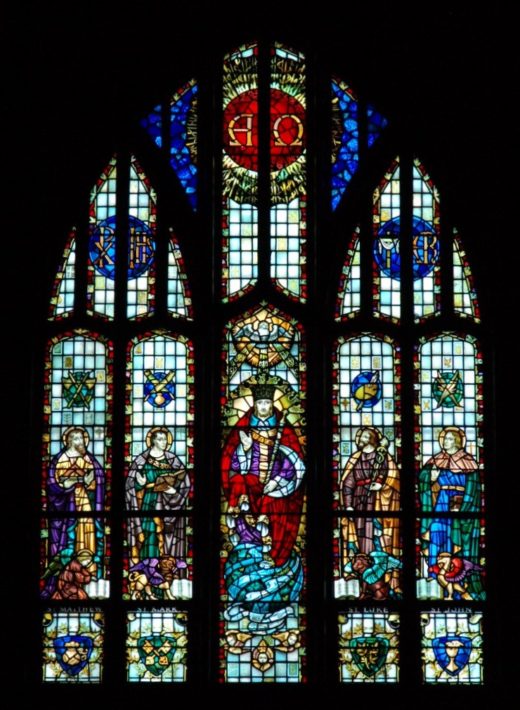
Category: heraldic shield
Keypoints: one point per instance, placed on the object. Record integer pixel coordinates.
(156, 652)
(73, 652)
(369, 653)
(159, 388)
(448, 388)
(452, 652)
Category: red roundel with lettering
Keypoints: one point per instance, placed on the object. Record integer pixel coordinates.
(241, 129)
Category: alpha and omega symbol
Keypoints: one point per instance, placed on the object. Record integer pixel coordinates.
(287, 129)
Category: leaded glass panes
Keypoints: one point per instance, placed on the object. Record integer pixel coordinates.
(240, 171)
(386, 266)
(452, 647)
(62, 299)
(349, 296)
(181, 138)
(369, 647)
(159, 483)
(73, 646)
(288, 171)
(156, 646)
(263, 499)
(102, 244)
(465, 301)
(426, 244)
(142, 210)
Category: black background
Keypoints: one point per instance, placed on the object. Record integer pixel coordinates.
(78, 79)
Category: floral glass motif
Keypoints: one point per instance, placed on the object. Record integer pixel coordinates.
(73, 646)
(157, 643)
(452, 647)
(263, 499)
(369, 647)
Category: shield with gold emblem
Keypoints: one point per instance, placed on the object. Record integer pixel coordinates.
(369, 653)
(73, 652)
(156, 652)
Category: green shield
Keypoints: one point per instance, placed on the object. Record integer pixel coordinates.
(369, 653)
(156, 652)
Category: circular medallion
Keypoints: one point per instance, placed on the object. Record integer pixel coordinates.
(287, 135)
(425, 248)
(102, 247)
(366, 389)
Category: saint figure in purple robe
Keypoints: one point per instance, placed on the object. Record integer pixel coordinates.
(75, 484)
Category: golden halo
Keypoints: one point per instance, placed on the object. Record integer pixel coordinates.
(368, 428)
(84, 554)
(155, 429)
(456, 430)
(75, 427)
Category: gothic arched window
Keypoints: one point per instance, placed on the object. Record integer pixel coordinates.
(263, 438)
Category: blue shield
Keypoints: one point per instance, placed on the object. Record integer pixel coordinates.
(73, 652)
(159, 388)
(452, 652)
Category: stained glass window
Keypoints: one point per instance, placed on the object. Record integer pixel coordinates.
(345, 136)
(387, 260)
(367, 444)
(263, 499)
(465, 301)
(102, 244)
(154, 539)
(288, 171)
(349, 296)
(240, 171)
(426, 252)
(141, 243)
(156, 646)
(445, 426)
(450, 533)
(179, 296)
(369, 647)
(313, 405)
(73, 646)
(76, 456)
(452, 647)
(159, 482)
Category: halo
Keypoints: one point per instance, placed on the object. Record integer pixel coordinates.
(457, 429)
(84, 554)
(75, 427)
(155, 429)
(364, 428)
